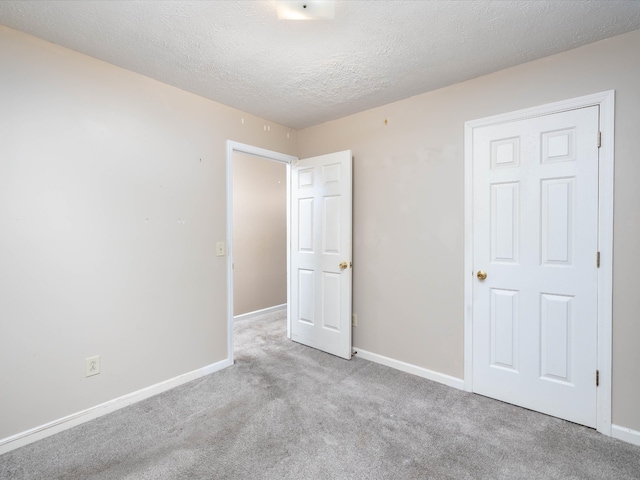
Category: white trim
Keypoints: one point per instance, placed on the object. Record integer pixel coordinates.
(606, 102)
(625, 434)
(468, 257)
(262, 311)
(56, 426)
(605, 272)
(412, 369)
(289, 249)
(269, 155)
(546, 109)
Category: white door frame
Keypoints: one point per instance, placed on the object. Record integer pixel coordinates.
(606, 102)
(268, 155)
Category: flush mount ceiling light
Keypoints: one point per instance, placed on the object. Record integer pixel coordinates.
(306, 10)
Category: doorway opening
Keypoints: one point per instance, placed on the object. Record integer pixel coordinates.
(259, 235)
(267, 168)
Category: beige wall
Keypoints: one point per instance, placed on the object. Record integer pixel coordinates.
(259, 233)
(409, 211)
(112, 198)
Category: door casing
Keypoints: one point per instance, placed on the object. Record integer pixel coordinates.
(606, 102)
(268, 155)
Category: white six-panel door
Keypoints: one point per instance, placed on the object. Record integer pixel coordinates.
(535, 234)
(320, 242)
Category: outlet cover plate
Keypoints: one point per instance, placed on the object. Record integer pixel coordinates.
(92, 366)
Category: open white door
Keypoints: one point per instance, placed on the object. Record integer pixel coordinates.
(320, 302)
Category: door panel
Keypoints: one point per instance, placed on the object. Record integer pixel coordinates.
(504, 328)
(557, 221)
(556, 328)
(305, 225)
(535, 225)
(321, 240)
(306, 297)
(504, 222)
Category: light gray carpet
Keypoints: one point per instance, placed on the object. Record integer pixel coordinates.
(285, 411)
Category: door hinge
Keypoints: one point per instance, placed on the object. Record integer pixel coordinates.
(599, 139)
(598, 259)
(597, 378)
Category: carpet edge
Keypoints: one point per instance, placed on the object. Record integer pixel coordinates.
(56, 426)
(412, 369)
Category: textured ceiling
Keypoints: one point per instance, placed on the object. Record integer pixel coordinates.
(301, 73)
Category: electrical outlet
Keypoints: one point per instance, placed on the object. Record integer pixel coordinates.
(220, 249)
(92, 366)
(354, 320)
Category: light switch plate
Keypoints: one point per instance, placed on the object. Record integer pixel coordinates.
(220, 249)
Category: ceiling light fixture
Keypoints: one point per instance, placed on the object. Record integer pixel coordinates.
(306, 10)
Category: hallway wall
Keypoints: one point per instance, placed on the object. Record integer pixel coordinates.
(259, 233)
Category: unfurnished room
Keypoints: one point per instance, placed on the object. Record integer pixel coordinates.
(323, 239)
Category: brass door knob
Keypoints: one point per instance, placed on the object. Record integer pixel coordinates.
(481, 275)
(343, 265)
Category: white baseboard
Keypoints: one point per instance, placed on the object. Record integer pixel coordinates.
(29, 436)
(625, 434)
(413, 369)
(260, 312)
